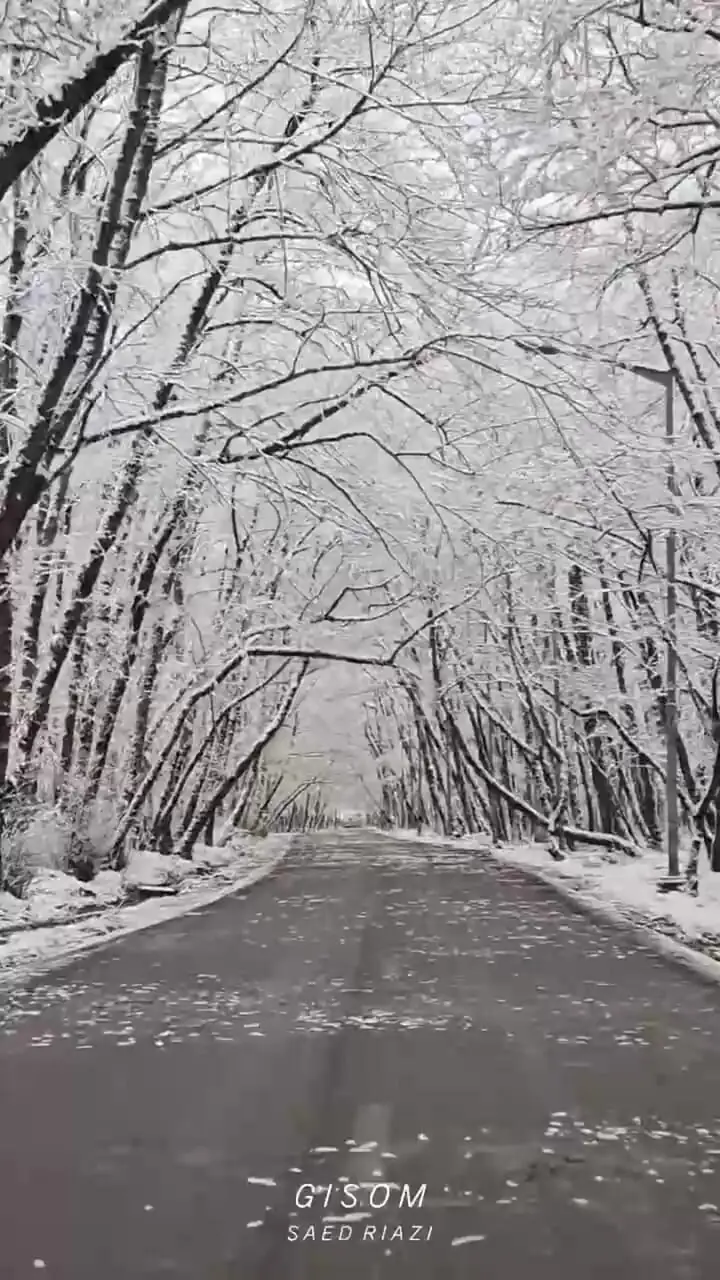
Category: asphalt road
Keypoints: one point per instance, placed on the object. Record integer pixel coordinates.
(376, 1016)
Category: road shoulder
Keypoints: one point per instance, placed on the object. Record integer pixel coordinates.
(620, 890)
(35, 949)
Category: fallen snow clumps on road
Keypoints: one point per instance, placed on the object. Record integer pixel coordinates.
(630, 887)
(624, 886)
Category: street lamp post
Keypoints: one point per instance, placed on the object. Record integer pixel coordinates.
(663, 378)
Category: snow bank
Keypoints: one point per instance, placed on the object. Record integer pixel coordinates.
(11, 908)
(53, 893)
(148, 869)
(206, 856)
(53, 897)
(61, 918)
(107, 887)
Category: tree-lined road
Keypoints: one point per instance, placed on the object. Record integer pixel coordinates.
(378, 1012)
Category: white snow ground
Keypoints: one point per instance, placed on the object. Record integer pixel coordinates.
(623, 887)
(59, 916)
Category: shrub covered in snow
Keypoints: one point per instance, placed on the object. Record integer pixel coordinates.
(33, 837)
(37, 836)
(146, 868)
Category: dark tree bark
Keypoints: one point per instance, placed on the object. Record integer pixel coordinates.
(54, 114)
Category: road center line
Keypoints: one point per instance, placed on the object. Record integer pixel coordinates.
(371, 1134)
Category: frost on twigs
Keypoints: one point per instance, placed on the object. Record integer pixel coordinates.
(34, 838)
(329, 482)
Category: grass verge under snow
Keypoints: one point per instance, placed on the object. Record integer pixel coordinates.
(59, 916)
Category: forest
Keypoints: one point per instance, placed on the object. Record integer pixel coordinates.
(342, 335)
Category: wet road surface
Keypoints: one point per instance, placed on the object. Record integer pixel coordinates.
(378, 1018)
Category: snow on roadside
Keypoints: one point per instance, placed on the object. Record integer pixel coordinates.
(623, 886)
(53, 895)
(629, 887)
(60, 917)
